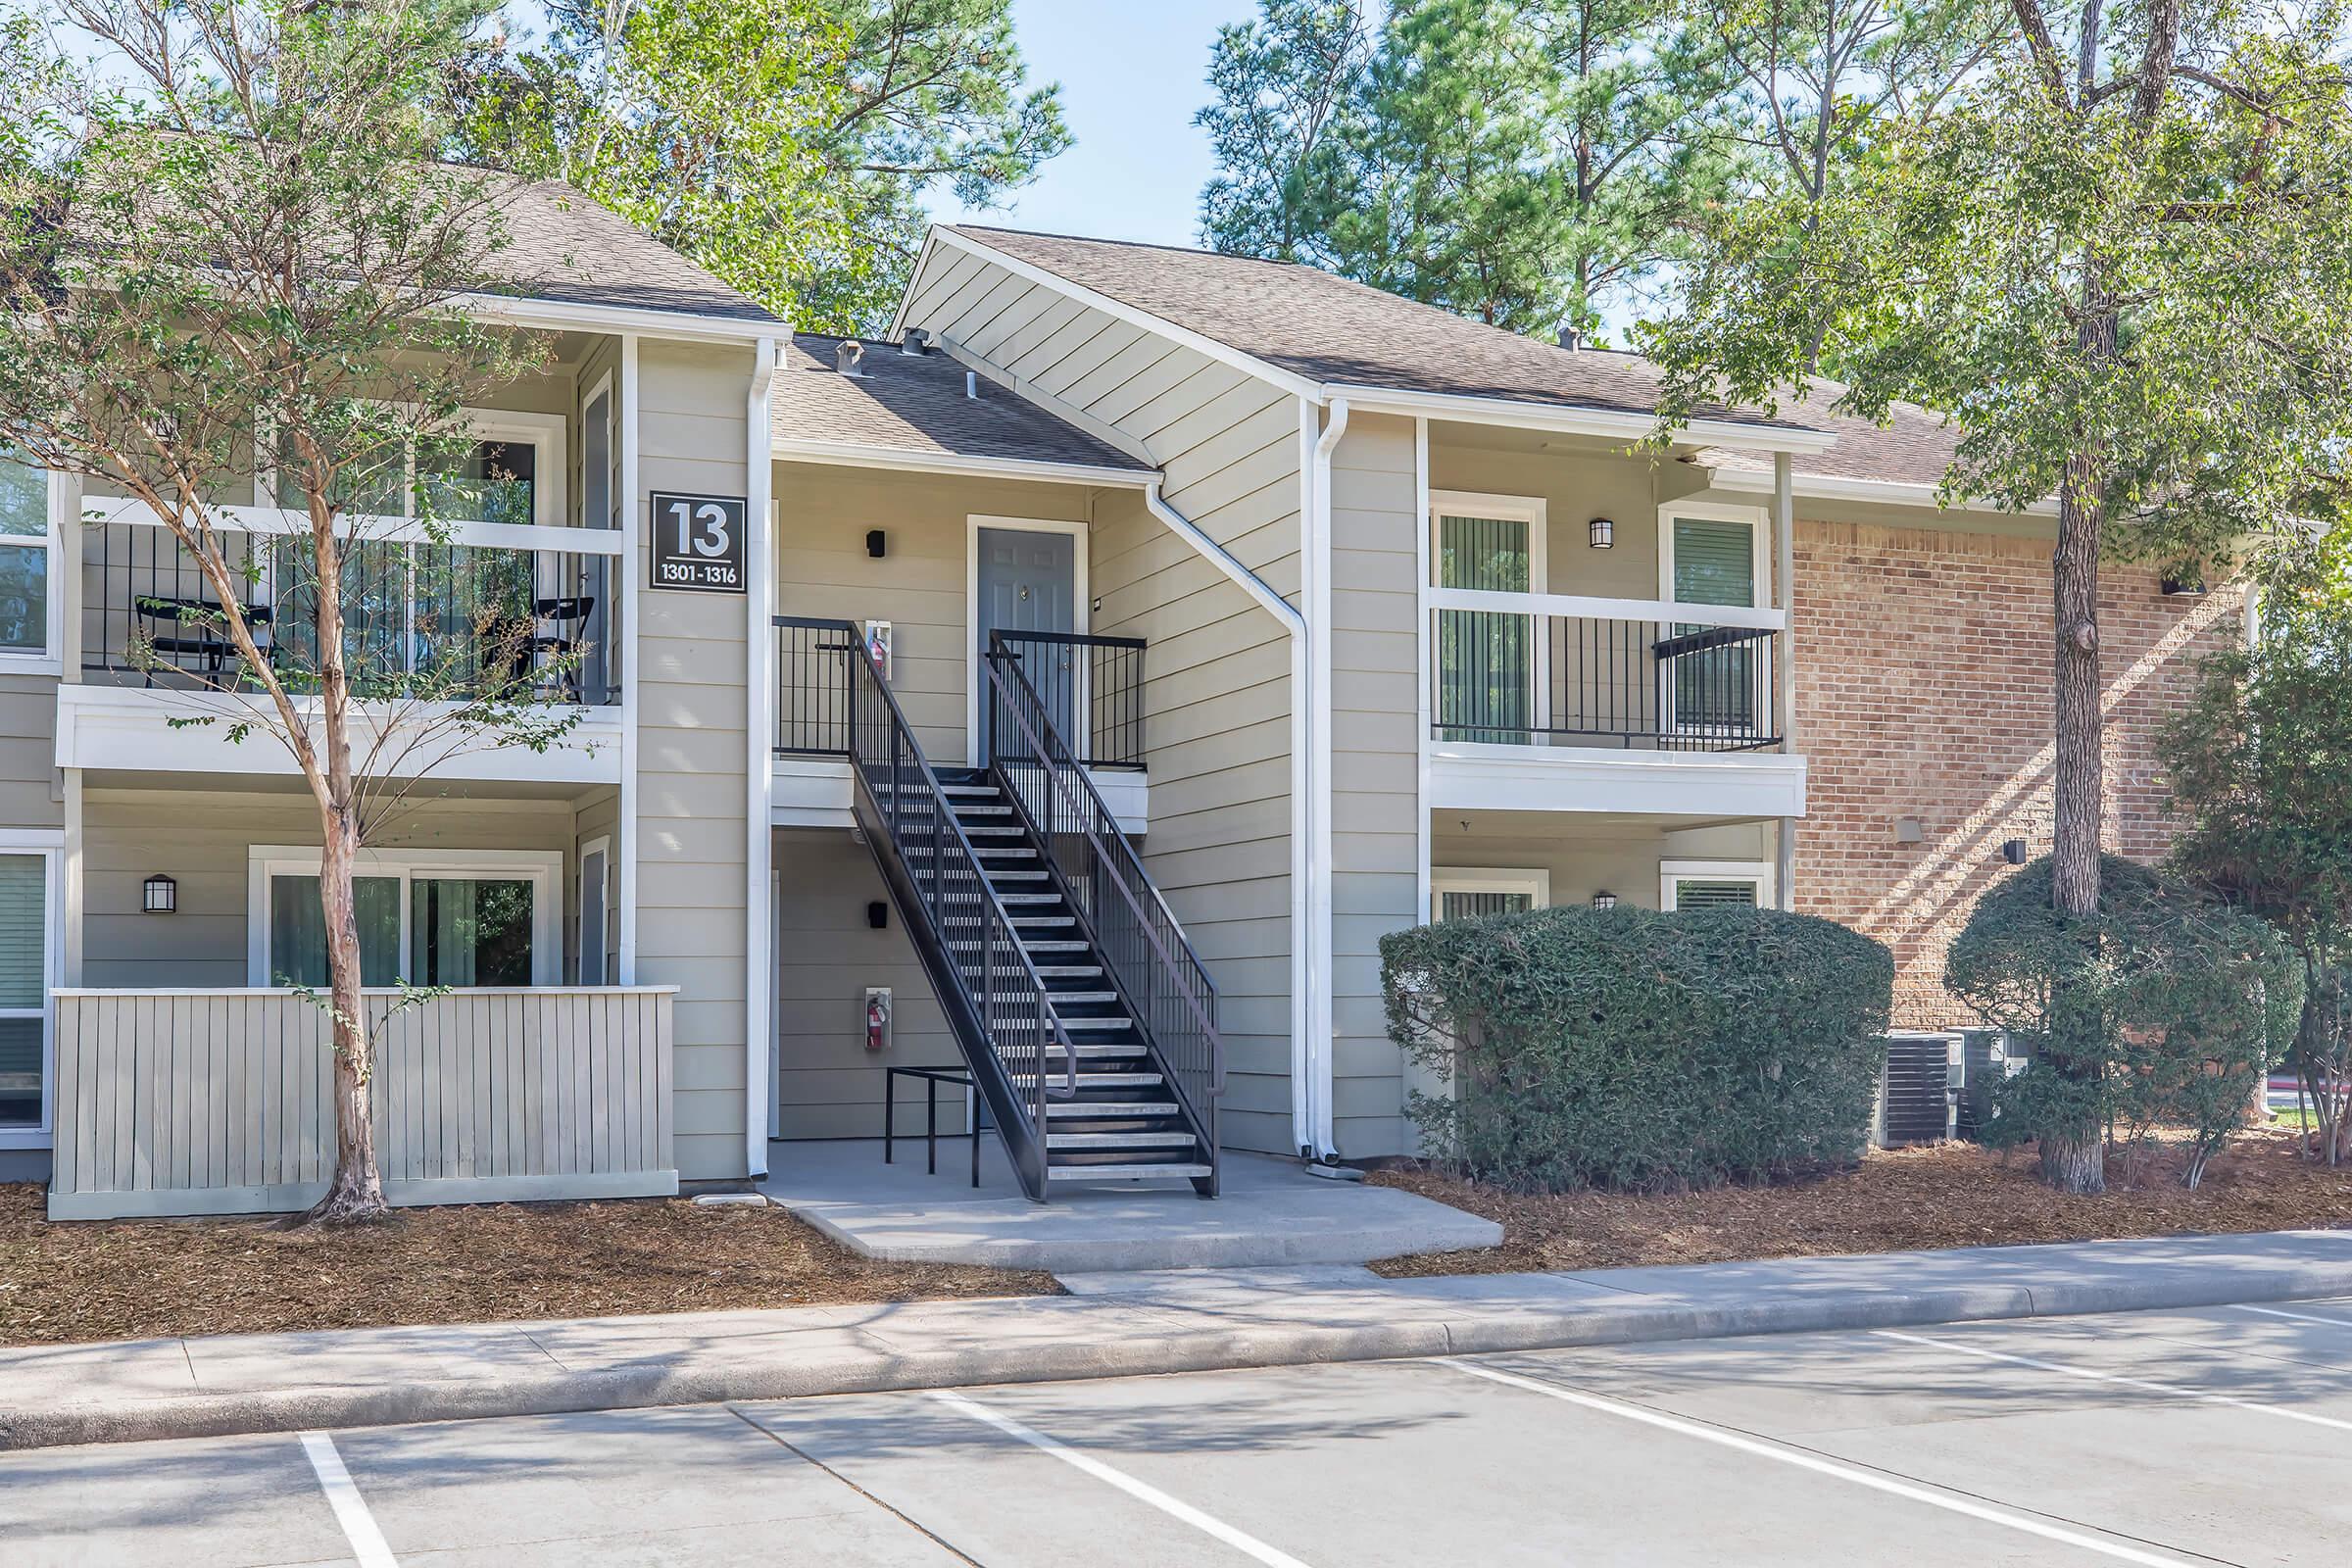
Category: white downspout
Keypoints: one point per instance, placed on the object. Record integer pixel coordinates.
(1319, 1139)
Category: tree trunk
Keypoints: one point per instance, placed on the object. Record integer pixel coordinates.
(2074, 1164)
(2077, 723)
(355, 1194)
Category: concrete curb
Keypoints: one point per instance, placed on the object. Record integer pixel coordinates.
(1421, 1329)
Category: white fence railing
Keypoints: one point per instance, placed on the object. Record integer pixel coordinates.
(219, 1102)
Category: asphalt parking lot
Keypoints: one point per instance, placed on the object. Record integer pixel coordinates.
(2188, 1437)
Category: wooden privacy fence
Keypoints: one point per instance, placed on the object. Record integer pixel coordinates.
(219, 1102)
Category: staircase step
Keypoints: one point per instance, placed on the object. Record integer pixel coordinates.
(1083, 1110)
(995, 831)
(1030, 947)
(1030, 899)
(1064, 999)
(1101, 1173)
(1117, 1080)
(1001, 874)
(1166, 1140)
(1117, 1021)
(1044, 919)
(1069, 971)
(1088, 1049)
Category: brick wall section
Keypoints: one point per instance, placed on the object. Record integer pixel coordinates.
(1924, 690)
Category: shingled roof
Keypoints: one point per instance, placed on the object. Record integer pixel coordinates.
(571, 249)
(916, 404)
(1338, 332)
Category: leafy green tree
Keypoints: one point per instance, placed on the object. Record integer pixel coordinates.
(1282, 82)
(225, 226)
(2261, 764)
(2121, 258)
(1528, 163)
(787, 145)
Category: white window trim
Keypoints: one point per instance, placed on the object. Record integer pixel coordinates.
(543, 869)
(1760, 873)
(602, 845)
(1758, 522)
(546, 434)
(1535, 513)
(49, 658)
(1532, 880)
(50, 845)
(1082, 603)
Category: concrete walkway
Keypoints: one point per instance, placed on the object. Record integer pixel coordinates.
(1272, 1213)
(1109, 1326)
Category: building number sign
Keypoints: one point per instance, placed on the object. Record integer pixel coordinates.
(697, 543)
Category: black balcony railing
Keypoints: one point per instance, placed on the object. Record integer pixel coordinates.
(1573, 680)
(445, 620)
(1092, 687)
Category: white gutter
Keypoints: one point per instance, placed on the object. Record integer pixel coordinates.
(900, 459)
(1311, 1092)
(1609, 423)
(1889, 492)
(1295, 623)
(760, 590)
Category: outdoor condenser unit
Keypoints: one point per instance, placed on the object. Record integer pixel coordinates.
(1921, 1079)
(1988, 1056)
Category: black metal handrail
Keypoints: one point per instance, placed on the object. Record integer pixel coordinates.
(996, 1001)
(1143, 949)
(1093, 686)
(812, 685)
(1636, 684)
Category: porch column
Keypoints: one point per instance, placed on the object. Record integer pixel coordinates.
(1783, 575)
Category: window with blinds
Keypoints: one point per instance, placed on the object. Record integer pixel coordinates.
(1714, 563)
(1714, 893)
(23, 556)
(24, 986)
(1460, 905)
(1486, 662)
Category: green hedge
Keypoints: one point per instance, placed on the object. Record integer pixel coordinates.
(1630, 1049)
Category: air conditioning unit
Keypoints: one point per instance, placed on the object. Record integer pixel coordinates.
(1921, 1079)
(1988, 1056)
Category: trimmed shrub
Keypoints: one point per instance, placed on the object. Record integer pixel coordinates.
(2163, 1010)
(1632, 1048)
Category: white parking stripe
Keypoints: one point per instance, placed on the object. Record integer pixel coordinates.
(2300, 1317)
(1806, 1459)
(2173, 1390)
(368, 1543)
(1143, 1492)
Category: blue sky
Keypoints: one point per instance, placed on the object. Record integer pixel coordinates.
(1132, 74)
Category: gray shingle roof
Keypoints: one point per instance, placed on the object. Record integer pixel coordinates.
(570, 248)
(1335, 332)
(904, 403)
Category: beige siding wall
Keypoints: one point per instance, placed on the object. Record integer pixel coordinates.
(202, 839)
(918, 585)
(827, 956)
(1588, 856)
(693, 691)
(1375, 805)
(31, 789)
(1576, 487)
(1217, 705)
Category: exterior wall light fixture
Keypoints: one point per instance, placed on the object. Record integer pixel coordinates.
(1604, 533)
(160, 895)
(1605, 900)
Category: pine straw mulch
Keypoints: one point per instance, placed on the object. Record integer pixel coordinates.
(1948, 1194)
(66, 1282)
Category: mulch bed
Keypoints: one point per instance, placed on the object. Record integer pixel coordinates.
(1950, 1195)
(60, 1283)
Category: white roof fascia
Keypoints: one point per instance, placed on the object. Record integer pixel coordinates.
(1893, 492)
(857, 455)
(1224, 354)
(560, 316)
(1609, 423)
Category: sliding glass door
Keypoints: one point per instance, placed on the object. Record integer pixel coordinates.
(1488, 662)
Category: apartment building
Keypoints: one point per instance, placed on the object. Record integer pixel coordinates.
(1113, 652)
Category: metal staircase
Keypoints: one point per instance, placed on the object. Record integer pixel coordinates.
(1086, 1020)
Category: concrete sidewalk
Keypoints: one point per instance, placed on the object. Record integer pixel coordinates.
(1109, 1325)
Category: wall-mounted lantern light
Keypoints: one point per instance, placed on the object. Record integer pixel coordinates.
(2181, 585)
(2013, 852)
(1604, 533)
(1605, 900)
(161, 895)
(875, 543)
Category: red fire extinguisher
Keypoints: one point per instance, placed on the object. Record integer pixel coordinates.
(877, 1018)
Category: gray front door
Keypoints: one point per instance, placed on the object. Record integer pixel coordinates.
(1028, 582)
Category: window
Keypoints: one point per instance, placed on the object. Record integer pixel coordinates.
(27, 970)
(480, 917)
(511, 472)
(24, 553)
(1714, 884)
(1461, 893)
(1712, 561)
(1490, 680)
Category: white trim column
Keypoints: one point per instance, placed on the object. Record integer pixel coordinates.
(759, 725)
(1783, 575)
(632, 678)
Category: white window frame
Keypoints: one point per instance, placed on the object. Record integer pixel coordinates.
(1532, 880)
(1759, 572)
(542, 868)
(49, 658)
(1673, 872)
(1082, 604)
(602, 845)
(546, 434)
(50, 845)
(1535, 513)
